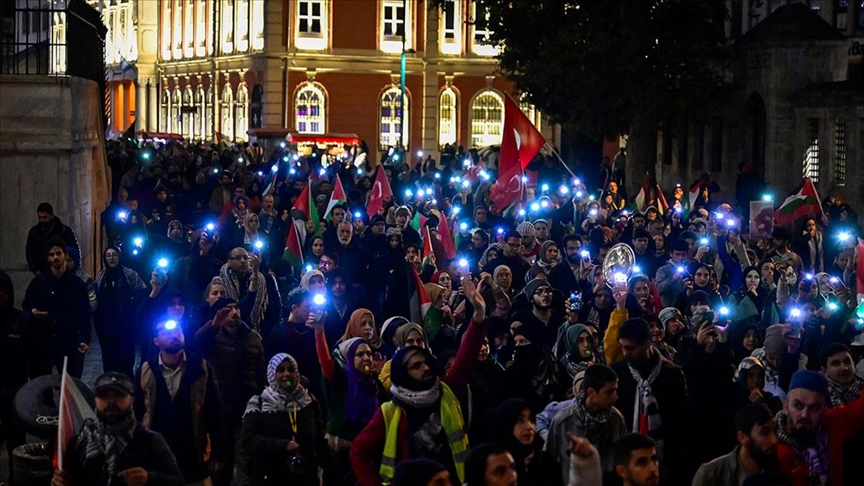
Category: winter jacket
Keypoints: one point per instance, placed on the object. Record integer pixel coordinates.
(264, 438)
(38, 238)
(147, 450)
(566, 420)
(68, 305)
(238, 361)
(189, 419)
(725, 470)
(611, 347)
(368, 446)
(840, 423)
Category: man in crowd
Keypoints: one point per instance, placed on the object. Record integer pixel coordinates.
(177, 395)
(510, 258)
(115, 448)
(246, 285)
(637, 460)
(58, 302)
(839, 369)
(592, 415)
(756, 451)
(567, 275)
(671, 276)
(49, 228)
(237, 356)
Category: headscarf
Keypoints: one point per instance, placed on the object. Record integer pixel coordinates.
(402, 333)
(571, 339)
(507, 414)
(275, 399)
(304, 281)
(388, 334)
(248, 236)
(361, 403)
(485, 258)
(497, 272)
(542, 261)
(436, 276)
(352, 330)
(434, 290)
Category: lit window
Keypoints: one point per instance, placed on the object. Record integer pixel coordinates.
(242, 25)
(393, 132)
(393, 26)
(242, 113)
(165, 112)
(840, 152)
(199, 111)
(811, 157)
(206, 108)
(58, 44)
(311, 25)
(201, 29)
(482, 37)
(167, 20)
(228, 26)
(176, 105)
(257, 25)
(530, 111)
(177, 33)
(187, 116)
(451, 38)
(487, 119)
(310, 109)
(447, 117)
(227, 126)
(189, 29)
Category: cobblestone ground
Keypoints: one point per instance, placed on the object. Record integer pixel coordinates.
(92, 370)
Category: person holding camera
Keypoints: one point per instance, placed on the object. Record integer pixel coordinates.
(283, 429)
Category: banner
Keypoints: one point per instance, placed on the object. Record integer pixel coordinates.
(761, 219)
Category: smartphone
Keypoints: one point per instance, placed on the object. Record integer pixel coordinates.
(575, 301)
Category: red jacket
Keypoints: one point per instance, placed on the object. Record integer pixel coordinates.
(368, 447)
(841, 423)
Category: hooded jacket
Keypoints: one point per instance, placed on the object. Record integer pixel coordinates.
(38, 238)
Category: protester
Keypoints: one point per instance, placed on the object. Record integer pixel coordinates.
(114, 445)
(49, 228)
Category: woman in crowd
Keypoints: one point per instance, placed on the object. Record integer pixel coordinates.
(549, 255)
(517, 432)
(283, 430)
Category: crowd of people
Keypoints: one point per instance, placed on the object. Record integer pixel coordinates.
(439, 339)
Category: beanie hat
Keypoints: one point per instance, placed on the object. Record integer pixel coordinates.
(809, 380)
(377, 218)
(774, 339)
(525, 228)
(222, 303)
(399, 373)
(534, 285)
(670, 313)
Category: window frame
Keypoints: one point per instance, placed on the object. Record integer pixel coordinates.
(314, 89)
(450, 46)
(487, 137)
(394, 120)
(393, 44)
(454, 122)
(480, 48)
(312, 41)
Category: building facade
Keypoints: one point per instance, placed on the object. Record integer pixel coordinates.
(214, 69)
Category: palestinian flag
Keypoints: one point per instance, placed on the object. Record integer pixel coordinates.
(428, 252)
(337, 197)
(419, 224)
(804, 201)
(695, 189)
(293, 253)
(306, 205)
(74, 410)
(643, 199)
(419, 301)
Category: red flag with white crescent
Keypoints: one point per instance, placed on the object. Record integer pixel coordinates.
(520, 142)
(379, 193)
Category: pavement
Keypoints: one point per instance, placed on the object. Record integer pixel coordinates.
(92, 370)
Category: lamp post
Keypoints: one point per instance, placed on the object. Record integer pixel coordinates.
(402, 76)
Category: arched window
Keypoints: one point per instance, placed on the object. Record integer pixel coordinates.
(393, 132)
(165, 112)
(242, 113)
(310, 109)
(207, 120)
(487, 119)
(176, 103)
(200, 108)
(227, 125)
(447, 125)
(188, 117)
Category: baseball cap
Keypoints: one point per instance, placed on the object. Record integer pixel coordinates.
(114, 381)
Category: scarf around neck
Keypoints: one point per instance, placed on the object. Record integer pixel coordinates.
(275, 399)
(841, 394)
(232, 287)
(103, 443)
(646, 412)
(416, 399)
(816, 455)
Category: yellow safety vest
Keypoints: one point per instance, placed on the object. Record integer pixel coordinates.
(451, 420)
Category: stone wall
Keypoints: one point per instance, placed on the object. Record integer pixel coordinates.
(51, 150)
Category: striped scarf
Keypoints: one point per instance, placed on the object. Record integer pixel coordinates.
(646, 412)
(841, 394)
(103, 443)
(232, 286)
(598, 429)
(815, 454)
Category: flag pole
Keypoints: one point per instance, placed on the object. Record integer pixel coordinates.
(552, 149)
(60, 413)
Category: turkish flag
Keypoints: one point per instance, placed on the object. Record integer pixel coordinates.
(445, 237)
(379, 193)
(520, 142)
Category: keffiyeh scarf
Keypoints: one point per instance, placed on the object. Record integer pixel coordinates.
(416, 399)
(232, 286)
(597, 429)
(815, 454)
(841, 394)
(646, 413)
(103, 443)
(275, 399)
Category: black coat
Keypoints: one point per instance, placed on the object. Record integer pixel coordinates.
(37, 241)
(147, 450)
(264, 439)
(68, 305)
